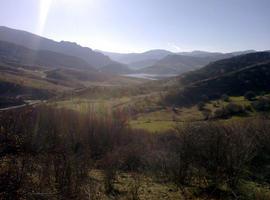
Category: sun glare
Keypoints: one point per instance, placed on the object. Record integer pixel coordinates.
(44, 7)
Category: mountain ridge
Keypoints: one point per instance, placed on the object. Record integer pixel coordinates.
(36, 42)
(129, 58)
(10, 52)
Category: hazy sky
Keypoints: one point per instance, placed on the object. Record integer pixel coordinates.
(139, 25)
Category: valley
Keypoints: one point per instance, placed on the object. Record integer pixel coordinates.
(78, 123)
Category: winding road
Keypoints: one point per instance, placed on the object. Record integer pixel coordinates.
(30, 103)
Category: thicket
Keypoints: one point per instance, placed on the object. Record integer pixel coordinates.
(47, 153)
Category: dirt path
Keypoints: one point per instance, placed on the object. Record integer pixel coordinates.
(30, 103)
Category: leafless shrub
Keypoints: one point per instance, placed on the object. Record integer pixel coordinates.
(134, 186)
(49, 152)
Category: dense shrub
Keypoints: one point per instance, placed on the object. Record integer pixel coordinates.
(250, 95)
(49, 151)
(201, 106)
(215, 154)
(225, 97)
(205, 98)
(262, 104)
(229, 110)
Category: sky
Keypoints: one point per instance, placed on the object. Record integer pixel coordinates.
(140, 25)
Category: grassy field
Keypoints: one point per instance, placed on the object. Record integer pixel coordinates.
(145, 109)
(134, 186)
(168, 118)
(138, 186)
(145, 112)
(165, 119)
(83, 105)
(149, 114)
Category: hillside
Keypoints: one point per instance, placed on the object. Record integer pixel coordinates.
(27, 74)
(162, 61)
(224, 66)
(75, 76)
(182, 62)
(177, 64)
(217, 55)
(142, 64)
(116, 68)
(198, 53)
(234, 76)
(32, 41)
(12, 53)
(134, 59)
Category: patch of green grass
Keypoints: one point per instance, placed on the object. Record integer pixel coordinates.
(154, 126)
(165, 119)
(82, 104)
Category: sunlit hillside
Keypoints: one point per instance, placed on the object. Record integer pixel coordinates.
(134, 100)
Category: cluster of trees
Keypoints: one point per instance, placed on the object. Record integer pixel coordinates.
(231, 109)
(256, 103)
(48, 153)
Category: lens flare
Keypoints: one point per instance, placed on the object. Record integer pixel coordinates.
(44, 8)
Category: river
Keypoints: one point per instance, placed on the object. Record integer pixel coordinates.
(150, 76)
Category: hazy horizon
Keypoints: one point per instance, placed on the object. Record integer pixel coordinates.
(139, 26)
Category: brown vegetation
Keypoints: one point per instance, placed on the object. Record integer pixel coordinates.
(48, 153)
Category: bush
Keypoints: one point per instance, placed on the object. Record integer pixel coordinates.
(229, 110)
(225, 98)
(262, 104)
(201, 106)
(212, 153)
(135, 187)
(219, 153)
(220, 113)
(250, 95)
(206, 114)
(233, 109)
(205, 98)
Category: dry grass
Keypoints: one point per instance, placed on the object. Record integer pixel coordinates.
(148, 188)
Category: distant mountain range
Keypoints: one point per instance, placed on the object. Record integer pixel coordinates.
(34, 67)
(138, 60)
(180, 63)
(217, 55)
(165, 62)
(177, 64)
(25, 46)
